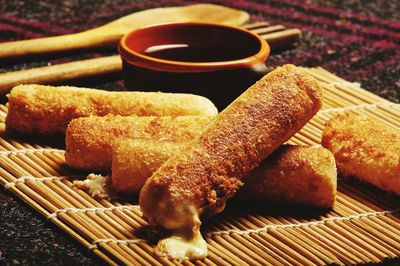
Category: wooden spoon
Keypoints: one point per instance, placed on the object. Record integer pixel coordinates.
(109, 34)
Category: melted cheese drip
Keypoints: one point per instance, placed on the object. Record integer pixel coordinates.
(185, 243)
(180, 247)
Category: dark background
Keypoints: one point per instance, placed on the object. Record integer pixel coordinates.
(357, 40)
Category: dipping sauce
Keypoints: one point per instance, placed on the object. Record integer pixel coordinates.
(196, 52)
(212, 60)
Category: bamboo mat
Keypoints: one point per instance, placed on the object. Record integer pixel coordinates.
(363, 226)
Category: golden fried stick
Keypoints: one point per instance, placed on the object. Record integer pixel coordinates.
(292, 174)
(295, 175)
(48, 110)
(89, 139)
(365, 149)
(204, 174)
(134, 161)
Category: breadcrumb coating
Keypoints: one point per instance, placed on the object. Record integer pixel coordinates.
(48, 110)
(89, 140)
(134, 161)
(295, 175)
(366, 149)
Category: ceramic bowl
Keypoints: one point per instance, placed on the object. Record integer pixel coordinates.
(212, 60)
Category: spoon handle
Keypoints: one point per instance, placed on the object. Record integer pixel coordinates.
(61, 72)
(82, 40)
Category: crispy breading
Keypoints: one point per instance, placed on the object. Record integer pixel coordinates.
(48, 110)
(296, 175)
(134, 161)
(89, 139)
(292, 174)
(366, 149)
(204, 174)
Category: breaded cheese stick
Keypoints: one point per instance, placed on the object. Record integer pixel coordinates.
(134, 161)
(48, 110)
(295, 175)
(204, 174)
(89, 140)
(365, 149)
(292, 174)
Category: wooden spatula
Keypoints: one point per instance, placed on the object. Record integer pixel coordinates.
(109, 34)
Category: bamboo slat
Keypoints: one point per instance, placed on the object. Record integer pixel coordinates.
(363, 226)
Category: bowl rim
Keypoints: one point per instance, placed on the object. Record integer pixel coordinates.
(137, 59)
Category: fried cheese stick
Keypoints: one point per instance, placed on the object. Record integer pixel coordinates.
(204, 174)
(295, 175)
(134, 161)
(292, 174)
(48, 110)
(89, 139)
(365, 149)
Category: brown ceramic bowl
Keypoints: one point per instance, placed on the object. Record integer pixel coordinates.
(213, 60)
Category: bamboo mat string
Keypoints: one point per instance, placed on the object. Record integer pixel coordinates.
(23, 179)
(25, 151)
(94, 209)
(116, 241)
(334, 84)
(359, 107)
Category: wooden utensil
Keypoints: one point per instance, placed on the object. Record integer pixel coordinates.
(277, 36)
(109, 34)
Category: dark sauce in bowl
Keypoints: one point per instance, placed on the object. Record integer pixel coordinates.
(213, 60)
(194, 43)
(195, 52)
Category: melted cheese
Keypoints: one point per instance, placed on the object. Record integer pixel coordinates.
(95, 185)
(180, 247)
(186, 243)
